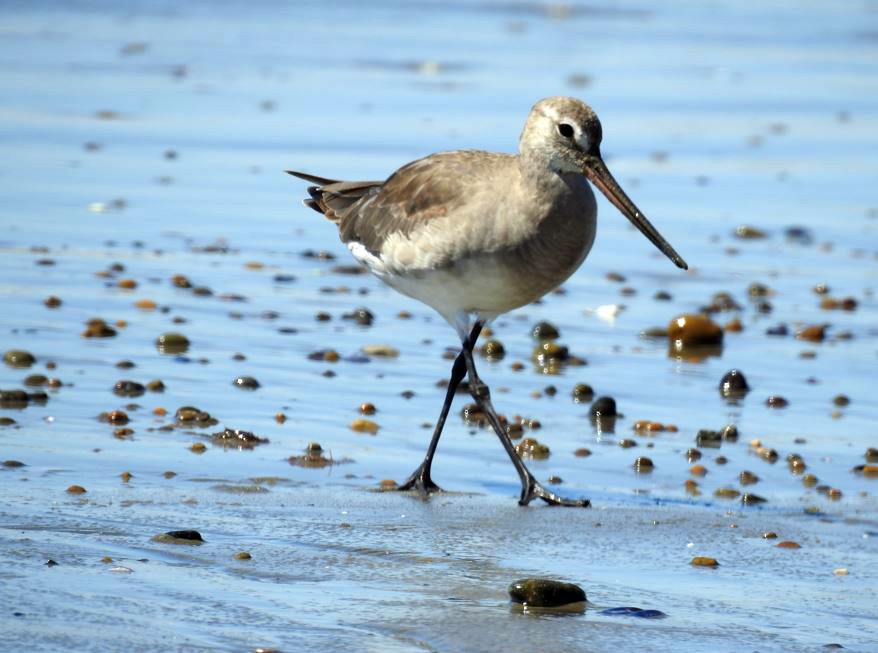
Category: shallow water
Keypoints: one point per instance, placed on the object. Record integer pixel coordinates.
(713, 118)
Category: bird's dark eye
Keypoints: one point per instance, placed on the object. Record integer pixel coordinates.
(565, 130)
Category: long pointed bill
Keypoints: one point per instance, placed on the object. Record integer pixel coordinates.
(598, 174)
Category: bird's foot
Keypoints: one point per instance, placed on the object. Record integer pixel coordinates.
(420, 480)
(534, 490)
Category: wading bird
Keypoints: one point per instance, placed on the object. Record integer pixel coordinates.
(475, 234)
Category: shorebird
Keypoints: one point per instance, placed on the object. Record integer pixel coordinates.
(475, 234)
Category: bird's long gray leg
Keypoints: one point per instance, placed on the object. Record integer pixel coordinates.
(420, 479)
(530, 487)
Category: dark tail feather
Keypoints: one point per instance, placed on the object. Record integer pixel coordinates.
(314, 179)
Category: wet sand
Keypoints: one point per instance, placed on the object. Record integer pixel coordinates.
(144, 144)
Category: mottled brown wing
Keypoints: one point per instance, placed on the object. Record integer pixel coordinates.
(422, 191)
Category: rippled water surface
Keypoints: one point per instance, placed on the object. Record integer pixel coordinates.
(140, 141)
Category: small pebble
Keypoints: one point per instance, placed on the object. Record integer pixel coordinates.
(76, 489)
(702, 561)
(361, 425)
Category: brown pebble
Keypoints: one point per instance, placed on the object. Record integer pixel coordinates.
(52, 301)
(834, 494)
(361, 425)
(126, 476)
(367, 409)
(698, 470)
(643, 465)
(726, 493)
(776, 401)
(387, 484)
(280, 418)
(127, 284)
(243, 555)
(702, 561)
(787, 544)
(769, 535)
(693, 330)
(146, 304)
(813, 333)
(747, 478)
(117, 417)
(76, 489)
(627, 443)
(198, 447)
(582, 452)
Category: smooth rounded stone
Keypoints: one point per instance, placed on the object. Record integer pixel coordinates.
(691, 487)
(692, 455)
(36, 380)
(730, 433)
(734, 384)
(115, 417)
(837, 400)
(776, 401)
(582, 392)
(812, 333)
(726, 493)
(362, 425)
(767, 454)
(76, 489)
(52, 301)
(628, 611)
(871, 455)
(325, 355)
(582, 452)
(493, 350)
(156, 386)
(787, 544)
(703, 561)
(777, 330)
(192, 416)
(662, 296)
(627, 443)
(172, 343)
(19, 358)
(750, 499)
(531, 448)
(708, 439)
(603, 407)
(12, 464)
(126, 476)
(382, 351)
(694, 330)
(698, 470)
(545, 593)
(98, 328)
(643, 465)
(243, 555)
(545, 331)
(361, 316)
(13, 399)
(246, 383)
(237, 438)
(367, 408)
(549, 351)
(869, 471)
(179, 537)
(748, 478)
(748, 232)
(6, 421)
(180, 281)
(722, 302)
(128, 389)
